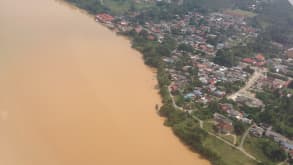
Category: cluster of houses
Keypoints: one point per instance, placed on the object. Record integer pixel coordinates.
(223, 124)
(210, 75)
(259, 60)
(231, 112)
(269, 83)
(251, 102)
(192, 28)
(263, 130)
(208, 34)
(283, 67)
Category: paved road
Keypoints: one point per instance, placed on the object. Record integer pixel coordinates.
(244, 90)
(173, 99)
(244, 137)
(200, 121)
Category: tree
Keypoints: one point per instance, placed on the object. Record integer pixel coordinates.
(273, 151)
(185, 47)
(239, 128)
(226, 58)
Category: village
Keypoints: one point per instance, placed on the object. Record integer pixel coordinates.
(196, 80)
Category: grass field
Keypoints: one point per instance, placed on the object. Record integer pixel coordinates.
(119, 7)
(230, 155)
(243, 13)
(229, 138)
(251, 145)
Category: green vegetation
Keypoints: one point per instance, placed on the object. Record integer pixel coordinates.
(229, 155)
(279, 112)
(229, 138)
(265, 150)
(115, 7)
(272, 150)
(239, 128)
(276, 18)
(186, 48)
(123, 6)
(226, 57)
(243, 13)
(91, 6)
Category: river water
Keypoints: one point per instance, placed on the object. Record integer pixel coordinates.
(74, 93)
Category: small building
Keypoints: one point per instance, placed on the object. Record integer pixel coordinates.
(226, 107)
(250, 102)
(256, 131)
(151, 37)
(105, 18)
(249, 61)
(288, 146)
(189, 96)
(260, 58)
(289, 53)
(276, 136)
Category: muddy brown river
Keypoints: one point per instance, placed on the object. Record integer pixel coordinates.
(74, 93)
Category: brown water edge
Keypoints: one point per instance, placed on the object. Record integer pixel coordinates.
(73, 93)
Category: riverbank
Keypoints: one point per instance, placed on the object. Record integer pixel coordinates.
(73, 92)
(163, 83)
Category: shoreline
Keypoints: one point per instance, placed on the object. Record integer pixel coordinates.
(162, 88)
(154, 70)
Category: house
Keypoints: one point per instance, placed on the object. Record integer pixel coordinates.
(104, 18)
(151, 37)
(138, 29)
(254, 103)
(246, 120)
(289, 53)
(250, 102)
(174, 88)
(276, 136)
(226, 107)
(249, 60)
(189, 96)
(288, 146)
(219, 93)
(256, 131)
(235, 114)
(260, 58)
(223, 124)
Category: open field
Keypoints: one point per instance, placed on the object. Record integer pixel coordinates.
(226, 151)
(241, 13)
(119, 7)
(252, 145)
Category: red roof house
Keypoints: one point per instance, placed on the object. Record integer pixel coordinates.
(260, 57)
(249, 60)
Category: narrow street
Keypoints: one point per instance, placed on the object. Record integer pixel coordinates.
(244, 91)
(244, 137)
